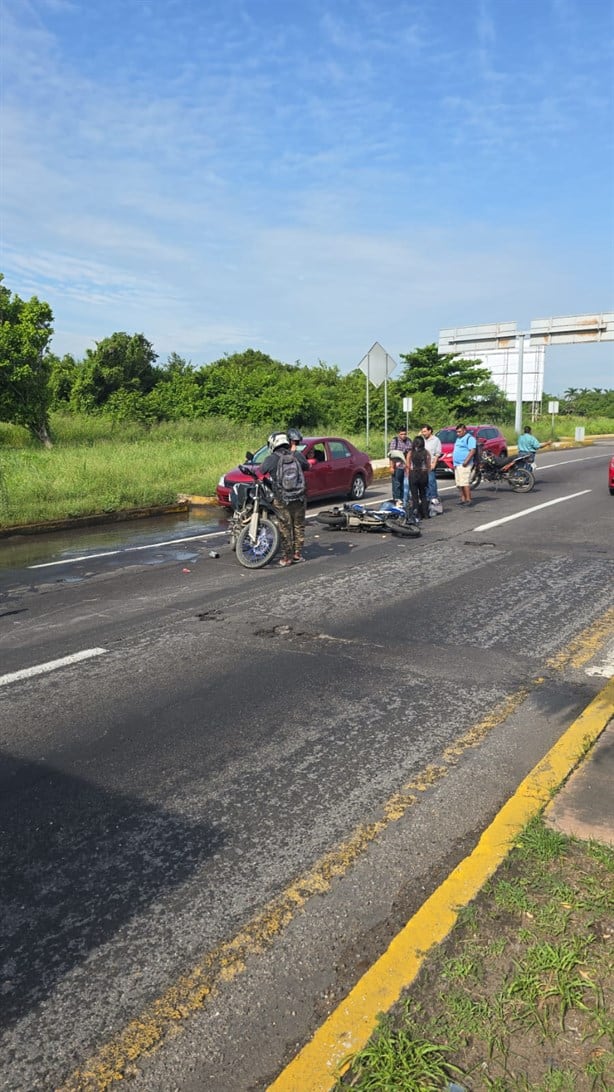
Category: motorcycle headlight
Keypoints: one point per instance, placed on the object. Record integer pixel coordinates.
(221, 481)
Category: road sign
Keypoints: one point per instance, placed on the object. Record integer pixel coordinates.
(377, 365)
(553, 407)
(571, 329)
(408, 405)
(476, 339)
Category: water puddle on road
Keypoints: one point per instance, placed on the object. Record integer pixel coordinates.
(20, 551)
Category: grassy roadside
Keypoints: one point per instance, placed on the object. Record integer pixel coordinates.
(97, 465)
(519, 997)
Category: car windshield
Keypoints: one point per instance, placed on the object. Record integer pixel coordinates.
(447, 435)
(260, 455)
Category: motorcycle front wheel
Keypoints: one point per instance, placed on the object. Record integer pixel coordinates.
(476, 479)
(521, 481)
(333, 518)
(402, 529)
(253, 555)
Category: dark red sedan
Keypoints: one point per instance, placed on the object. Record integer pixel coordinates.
(611, 476)
(489, 437)
(336, 469)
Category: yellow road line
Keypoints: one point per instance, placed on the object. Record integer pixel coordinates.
(350, 1026)
(112, 1061)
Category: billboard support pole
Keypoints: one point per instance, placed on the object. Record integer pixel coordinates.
(518, 417)
(367, 399)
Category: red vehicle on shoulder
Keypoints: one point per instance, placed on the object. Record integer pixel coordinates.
(336, 469)
(611, 476)
(489, 437)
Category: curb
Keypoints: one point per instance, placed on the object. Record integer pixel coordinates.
(350, 1026)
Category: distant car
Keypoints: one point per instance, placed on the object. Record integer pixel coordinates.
(488, 436)
(336, 469)
(611, 476)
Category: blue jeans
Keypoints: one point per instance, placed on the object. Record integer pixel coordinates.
(431, 488)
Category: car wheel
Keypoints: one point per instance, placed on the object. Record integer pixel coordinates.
(612, 490)
(359, 487)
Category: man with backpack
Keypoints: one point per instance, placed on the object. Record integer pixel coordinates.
(286, 470)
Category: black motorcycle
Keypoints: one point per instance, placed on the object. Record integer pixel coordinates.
(514, 469)
(254, 530)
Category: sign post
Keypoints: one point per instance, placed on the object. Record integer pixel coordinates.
(553, 407)
(377, 365)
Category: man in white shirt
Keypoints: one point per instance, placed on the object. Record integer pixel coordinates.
(432, 444)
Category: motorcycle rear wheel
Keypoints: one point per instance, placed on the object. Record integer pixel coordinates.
(476, 479)
(254, 555)
(521, 480)
(333, 518)
(402, 529)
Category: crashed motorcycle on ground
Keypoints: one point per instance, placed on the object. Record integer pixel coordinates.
(390, 516)
(254, 530)
(515, 470)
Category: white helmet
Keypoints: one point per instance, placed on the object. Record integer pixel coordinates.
(278, 440)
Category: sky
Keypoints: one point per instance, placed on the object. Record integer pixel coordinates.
(309, 178)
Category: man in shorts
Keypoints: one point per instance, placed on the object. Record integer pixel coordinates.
(462, 461)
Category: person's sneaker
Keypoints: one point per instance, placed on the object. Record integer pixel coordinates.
(297, 558)
(284, 561)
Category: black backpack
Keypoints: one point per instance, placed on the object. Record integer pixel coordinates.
(289, 478)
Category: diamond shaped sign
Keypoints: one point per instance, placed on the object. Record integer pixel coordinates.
(377, 364)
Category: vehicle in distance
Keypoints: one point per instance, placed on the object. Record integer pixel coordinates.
(336, 469)
(489, 437)
(611, 476)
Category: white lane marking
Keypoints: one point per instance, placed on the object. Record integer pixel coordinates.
(51, 665)
(564, 462)
(127, 549)
(529, 511)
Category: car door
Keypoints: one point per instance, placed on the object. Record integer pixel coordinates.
(318, 477)
(342, 467)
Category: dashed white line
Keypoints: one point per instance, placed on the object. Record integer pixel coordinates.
(51, 665)
(529, 511)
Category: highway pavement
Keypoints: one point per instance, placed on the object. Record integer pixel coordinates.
(223, 791)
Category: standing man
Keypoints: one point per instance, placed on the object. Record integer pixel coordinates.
(462, 461)
(286, 470)
(398, 449)
(432, 444)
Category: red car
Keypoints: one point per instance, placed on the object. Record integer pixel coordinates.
(611, 476)
(488, 436)
(336, 468)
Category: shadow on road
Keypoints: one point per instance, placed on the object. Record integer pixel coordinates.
(77, 863)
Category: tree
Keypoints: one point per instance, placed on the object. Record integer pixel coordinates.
(465, 385)
(62, 376)
(121, 362)
(25, 332)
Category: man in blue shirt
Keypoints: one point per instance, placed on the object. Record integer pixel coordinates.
(463, 455)
(528, 445)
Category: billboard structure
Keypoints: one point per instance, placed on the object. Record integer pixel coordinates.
(503, 367)
(479, 341)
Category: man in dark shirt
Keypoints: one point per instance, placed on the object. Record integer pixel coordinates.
(397, 454)
(291, 515)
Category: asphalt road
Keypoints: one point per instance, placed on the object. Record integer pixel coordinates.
(221, 810)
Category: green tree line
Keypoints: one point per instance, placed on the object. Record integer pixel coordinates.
(122, 378)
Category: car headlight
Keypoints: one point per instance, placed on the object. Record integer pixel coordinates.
(221, 481)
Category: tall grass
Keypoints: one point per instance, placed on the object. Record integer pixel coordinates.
(97, 465)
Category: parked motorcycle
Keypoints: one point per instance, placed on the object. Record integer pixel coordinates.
(389, 516)
(254, 531)
(515, 470)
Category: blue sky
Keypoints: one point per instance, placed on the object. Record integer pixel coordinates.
(308, 178)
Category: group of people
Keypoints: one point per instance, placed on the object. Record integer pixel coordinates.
(412, 469)
(413, 463)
